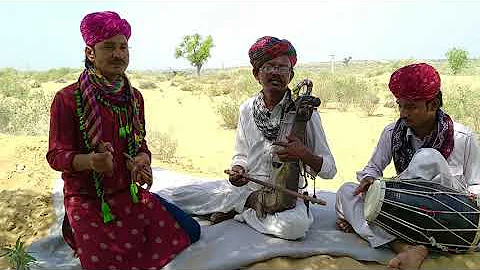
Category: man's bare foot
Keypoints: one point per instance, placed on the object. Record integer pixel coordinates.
(218, 217)
(410, 258)
(344, 226)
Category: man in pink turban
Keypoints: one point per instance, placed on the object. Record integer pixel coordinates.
(272, 60)
(424, 143)
(97, 141)
(106, 37)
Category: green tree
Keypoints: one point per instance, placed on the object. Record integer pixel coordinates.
(457, 59)
(195, 49)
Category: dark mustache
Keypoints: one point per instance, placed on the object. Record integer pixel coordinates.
(275, 78)
(117, 61)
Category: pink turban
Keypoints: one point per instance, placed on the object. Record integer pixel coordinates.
(415, 82)
(99, 26)
(267, 48)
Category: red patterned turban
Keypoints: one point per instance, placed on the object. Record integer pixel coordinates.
(415, 82)
(267, 48)
(99, 26)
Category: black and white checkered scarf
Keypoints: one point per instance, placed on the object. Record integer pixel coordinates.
(261, 115)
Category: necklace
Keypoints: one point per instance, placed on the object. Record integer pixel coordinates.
(125, 130)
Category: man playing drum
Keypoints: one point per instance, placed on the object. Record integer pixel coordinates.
(422, 125)
(258, 128)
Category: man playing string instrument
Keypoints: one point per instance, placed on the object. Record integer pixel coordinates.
(258, 128)
(97, 141)
(424, 142)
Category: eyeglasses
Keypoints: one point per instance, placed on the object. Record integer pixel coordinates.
(270, 69)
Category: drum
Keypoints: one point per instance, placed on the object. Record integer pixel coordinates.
(426, 213)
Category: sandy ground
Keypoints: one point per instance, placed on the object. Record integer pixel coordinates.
(26, 209)
(204, 149)
(25, 190)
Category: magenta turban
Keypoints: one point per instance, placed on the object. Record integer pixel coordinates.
(415, 82)
(99, 26)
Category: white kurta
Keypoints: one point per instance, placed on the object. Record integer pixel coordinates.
(254, 153)
(460, 171)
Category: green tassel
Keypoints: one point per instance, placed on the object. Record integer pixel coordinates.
(134, 192)
(122, 132)
(106, 212)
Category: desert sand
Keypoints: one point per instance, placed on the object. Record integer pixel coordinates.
(204, 149)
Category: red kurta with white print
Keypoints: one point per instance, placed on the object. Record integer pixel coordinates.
(142, 235)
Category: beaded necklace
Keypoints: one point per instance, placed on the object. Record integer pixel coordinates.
(125, 131)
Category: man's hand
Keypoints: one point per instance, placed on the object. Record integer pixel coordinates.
(236, 176)
(364, 185)
(102, 159)
(101, 162)
(293, 150)
(140, 169)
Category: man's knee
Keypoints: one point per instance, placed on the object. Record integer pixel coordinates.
(345, 191)
(194, 231)
(347, 188)
(294, 228)
(344, 195)
(190, 225)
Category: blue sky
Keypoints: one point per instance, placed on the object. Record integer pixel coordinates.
(45, 34)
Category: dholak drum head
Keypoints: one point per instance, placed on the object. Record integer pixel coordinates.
(373, 200)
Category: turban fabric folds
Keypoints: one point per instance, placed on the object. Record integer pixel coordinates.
(99, 26)
(415, 82)
(267, 48)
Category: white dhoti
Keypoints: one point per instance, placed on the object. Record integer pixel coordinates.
(221, 196)
(350, 208)
(427, 164)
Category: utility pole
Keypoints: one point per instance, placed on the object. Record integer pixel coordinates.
(332, 63)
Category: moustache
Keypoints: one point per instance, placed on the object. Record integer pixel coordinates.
(117, 62)
(275, 78)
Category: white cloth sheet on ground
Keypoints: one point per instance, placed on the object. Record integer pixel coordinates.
(221, 196)
(228, 245)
